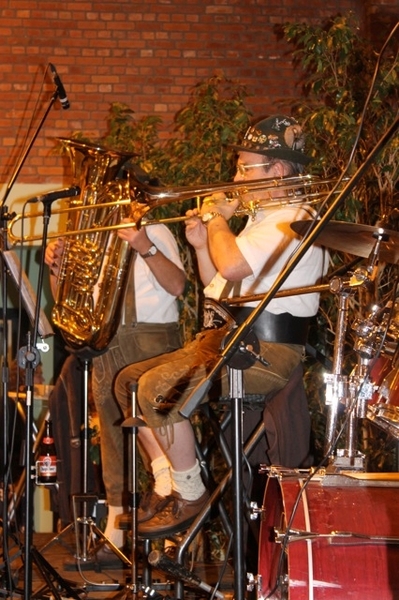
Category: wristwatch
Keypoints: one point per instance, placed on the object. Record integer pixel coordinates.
(209, 216)
(151, 252)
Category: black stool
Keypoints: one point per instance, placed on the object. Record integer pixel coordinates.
(260, 414)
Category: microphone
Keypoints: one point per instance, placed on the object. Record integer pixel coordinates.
(56, 195)
(60, 88)
(164, 563)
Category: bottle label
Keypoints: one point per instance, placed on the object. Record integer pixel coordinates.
(47, 466)
(48, 441)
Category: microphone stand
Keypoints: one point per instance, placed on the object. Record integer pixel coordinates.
(233, 344)
(6, 579)
(5, 216)
(29, 358)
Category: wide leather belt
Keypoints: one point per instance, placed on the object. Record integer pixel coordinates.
(282, 329)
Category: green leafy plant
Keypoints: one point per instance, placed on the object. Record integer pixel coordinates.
(347, 102)
(339, 84)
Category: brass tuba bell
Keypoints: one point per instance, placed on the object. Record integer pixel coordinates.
(95, 264)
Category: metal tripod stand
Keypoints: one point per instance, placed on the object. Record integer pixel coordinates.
(87, 534)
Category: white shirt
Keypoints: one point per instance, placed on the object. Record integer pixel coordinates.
(153, 303)
(266, 243)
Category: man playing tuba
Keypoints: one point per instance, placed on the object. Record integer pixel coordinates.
(149, 326)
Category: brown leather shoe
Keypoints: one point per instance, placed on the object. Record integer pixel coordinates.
(177, 515)
(150, 504)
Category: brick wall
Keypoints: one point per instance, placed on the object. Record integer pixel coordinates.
(146, 54)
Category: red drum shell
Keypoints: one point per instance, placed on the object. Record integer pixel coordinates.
(383, 409)
(331, 567)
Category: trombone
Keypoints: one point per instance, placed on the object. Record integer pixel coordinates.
(302, 189)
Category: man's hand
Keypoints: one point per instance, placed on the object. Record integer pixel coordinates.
(219, 203)
(196, 232)
(136, 238)
(53, 255)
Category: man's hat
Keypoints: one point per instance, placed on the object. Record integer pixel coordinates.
(278, 136)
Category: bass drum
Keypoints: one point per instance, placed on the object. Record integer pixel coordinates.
(383, 410)
(343, 542)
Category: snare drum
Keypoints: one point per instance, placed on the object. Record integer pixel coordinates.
(343, 542)
(383, 409)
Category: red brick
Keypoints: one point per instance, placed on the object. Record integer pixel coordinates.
(148, 55)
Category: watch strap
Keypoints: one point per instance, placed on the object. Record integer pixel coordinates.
(209, 216)
(151, 252)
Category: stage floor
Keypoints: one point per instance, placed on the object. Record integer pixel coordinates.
(59, 549)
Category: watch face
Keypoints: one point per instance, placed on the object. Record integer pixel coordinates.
(207, 217)
(151, 252)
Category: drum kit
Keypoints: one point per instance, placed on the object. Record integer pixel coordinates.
(332, 532)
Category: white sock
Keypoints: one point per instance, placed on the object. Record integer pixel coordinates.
(161, 472)
(116, 536)
(188, 483)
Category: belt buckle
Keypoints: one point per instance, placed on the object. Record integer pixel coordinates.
(215, 315)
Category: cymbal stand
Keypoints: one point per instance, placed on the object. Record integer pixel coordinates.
(353, 391)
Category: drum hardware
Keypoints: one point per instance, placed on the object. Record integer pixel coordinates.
(353, 392)
(382, 409)
(87, 534)
(164, 563)
(356, 391)
(339, 389)
(307, 547)
(295, 535)
(255, 511)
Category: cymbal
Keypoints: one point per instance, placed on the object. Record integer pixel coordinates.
(354, 238)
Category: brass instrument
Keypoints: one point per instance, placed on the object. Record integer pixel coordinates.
(95, 264)
(143, 198)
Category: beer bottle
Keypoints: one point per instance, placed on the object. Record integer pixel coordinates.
(47, 461)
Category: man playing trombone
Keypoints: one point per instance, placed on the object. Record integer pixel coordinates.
(230, 264)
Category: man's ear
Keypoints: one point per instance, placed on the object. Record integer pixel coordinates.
(277, 169)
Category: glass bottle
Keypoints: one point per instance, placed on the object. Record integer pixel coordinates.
(47, 460)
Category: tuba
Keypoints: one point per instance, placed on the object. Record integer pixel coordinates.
(95, 264)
